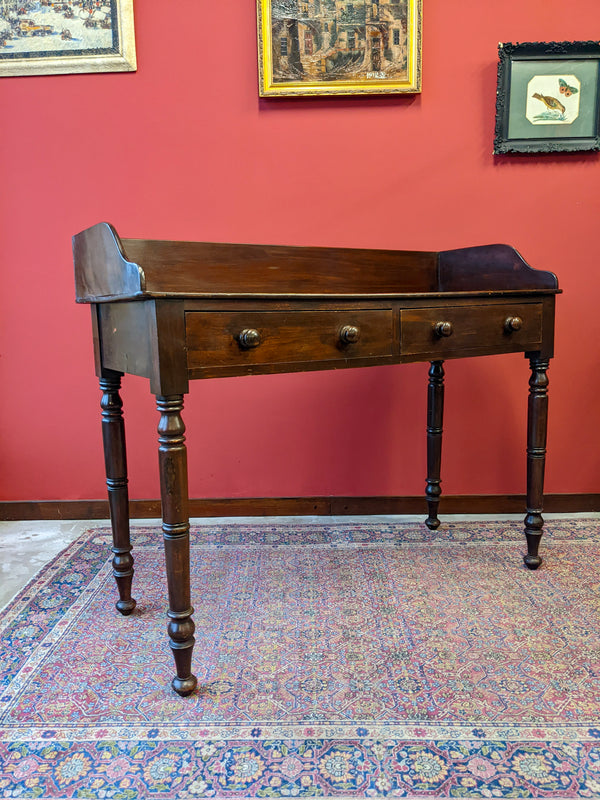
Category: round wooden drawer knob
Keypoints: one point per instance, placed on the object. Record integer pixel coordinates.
(513, 324)
(443, 329)
(248, 338)
(349, 334)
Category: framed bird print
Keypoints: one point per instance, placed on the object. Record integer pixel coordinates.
(338, 47)
(548, 97)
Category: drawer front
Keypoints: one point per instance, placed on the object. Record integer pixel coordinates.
(234, 338)
(462, 330)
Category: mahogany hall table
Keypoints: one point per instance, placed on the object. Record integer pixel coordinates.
(175, 311)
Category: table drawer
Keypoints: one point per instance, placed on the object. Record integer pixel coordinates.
(229, 338)
(494, 328)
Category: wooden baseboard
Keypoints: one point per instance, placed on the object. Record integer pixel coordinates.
(301, 506)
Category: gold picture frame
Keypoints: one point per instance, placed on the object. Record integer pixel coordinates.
(54, 37)
(338, 47)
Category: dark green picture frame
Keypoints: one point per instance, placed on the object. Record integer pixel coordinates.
(548, 97)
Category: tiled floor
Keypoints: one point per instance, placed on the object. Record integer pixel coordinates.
(25, 547)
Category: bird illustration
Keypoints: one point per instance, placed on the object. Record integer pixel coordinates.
(550, 102)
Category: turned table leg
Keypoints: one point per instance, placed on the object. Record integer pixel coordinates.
(176, 531)
(537, 424)
(115, 460)
(435, 416)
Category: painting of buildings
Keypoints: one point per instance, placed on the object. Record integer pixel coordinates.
(339, 40)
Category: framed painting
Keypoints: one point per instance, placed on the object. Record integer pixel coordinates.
(338, 47)
(52, 37)
(547, 99)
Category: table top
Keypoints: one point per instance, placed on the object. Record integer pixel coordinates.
(111, 269)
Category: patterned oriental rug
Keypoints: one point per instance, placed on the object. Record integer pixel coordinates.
(339, 660)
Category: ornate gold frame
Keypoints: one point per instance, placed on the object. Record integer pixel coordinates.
(370, 82)
(121, 59)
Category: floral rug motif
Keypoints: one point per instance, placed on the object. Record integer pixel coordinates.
(336, 660)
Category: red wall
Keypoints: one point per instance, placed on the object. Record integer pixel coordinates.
(184, 149)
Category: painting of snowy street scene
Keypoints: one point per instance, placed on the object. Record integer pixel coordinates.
(339, 46)
(45, 37)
